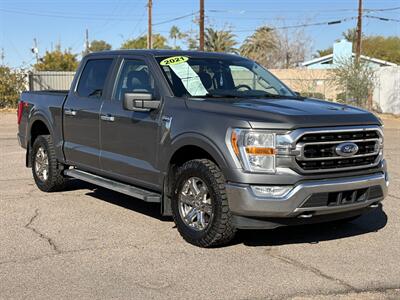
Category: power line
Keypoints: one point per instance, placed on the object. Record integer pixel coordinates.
(175, 19)
(244, 11)
(307, 24)
(381, 9)
(333, 22)
(66, 16)
(382, 18)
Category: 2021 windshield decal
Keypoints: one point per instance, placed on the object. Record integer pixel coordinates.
(189, 78)
(174, 60)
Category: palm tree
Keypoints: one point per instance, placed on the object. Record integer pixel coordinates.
(176, 34)
(350, 35)
(219, 41)
(261, 45)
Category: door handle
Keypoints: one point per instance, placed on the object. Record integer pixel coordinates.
(108, 118)
(70, 112)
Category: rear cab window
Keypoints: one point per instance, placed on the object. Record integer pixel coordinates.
(93, 78)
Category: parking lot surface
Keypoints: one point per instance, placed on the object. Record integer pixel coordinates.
(88, 242)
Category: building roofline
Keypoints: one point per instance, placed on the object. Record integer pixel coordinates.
(317, 60)
(330, 56)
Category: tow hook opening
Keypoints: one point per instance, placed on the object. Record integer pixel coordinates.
(306, 215)
(374, 205)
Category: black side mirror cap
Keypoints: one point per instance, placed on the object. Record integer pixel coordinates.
(140, 102)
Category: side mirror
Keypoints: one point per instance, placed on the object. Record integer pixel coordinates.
(140, 102)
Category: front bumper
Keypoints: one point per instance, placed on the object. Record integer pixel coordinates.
(243, 202)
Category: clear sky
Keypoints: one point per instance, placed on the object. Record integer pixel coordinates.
(65, 21)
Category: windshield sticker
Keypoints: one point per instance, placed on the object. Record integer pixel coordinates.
(175, 60)
(190, 80)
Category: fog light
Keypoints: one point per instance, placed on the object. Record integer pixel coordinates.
(271, 191)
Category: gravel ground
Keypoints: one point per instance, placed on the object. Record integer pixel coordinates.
(88, 242)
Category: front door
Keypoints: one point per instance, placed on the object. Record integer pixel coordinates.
(129, 138)
(81, 116)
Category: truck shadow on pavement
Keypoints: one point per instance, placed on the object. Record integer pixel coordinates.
(128, 202)
(371, 221)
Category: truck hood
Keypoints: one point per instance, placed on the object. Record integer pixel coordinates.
(287, 113)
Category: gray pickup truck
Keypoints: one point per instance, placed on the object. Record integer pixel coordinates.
(214, 138)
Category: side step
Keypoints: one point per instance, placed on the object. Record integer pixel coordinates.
(115, 185)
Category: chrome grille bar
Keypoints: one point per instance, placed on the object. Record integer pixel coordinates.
(312, 157)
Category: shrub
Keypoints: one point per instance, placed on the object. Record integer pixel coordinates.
(12, 83)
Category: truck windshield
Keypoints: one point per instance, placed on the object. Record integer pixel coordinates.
(220, 78)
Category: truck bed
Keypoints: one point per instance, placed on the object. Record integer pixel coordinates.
(45, 106)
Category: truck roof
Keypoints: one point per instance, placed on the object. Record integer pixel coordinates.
(155, 52)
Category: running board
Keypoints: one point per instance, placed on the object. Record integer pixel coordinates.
(114, 185)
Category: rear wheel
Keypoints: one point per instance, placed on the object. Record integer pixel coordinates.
(200, 205)
(46, 170)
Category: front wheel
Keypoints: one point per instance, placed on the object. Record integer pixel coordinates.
(200, 204)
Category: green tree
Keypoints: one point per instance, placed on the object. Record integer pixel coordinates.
(261, 45)
(57, 60)
(386, 48)
(376, 46)
(325, 52)
(99, 45)
(192, 40)
(175, 34)
(12, 83)
(351, 35)
(159, 42)
(219, 41)
(356, 80)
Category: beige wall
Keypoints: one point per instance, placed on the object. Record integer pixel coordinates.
(308, 81)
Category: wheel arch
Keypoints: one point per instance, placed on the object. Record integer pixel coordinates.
(184, 148)
(38, 126)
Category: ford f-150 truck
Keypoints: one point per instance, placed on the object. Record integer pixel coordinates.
(214, 138)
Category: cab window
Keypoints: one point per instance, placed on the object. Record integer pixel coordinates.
(134, 77)
(93, 78)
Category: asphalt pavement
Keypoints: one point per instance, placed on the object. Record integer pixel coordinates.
(91, 243)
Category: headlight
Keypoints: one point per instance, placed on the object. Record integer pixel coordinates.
(256, 150)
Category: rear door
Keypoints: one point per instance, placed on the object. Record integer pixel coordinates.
(82, 114)
(129, 138)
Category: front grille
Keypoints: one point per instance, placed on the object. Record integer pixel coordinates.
(339, 136)
(318, 150)
(343, 197)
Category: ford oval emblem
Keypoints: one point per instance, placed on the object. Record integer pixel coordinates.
(346, 149)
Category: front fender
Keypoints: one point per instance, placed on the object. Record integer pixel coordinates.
(198, 140)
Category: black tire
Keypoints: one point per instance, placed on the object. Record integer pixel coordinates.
(55, 181)
(220, 229)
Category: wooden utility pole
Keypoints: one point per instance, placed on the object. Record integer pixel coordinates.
(87, 42)
(201, 23)
(359, 31)
(2, 56)
(149, 29)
